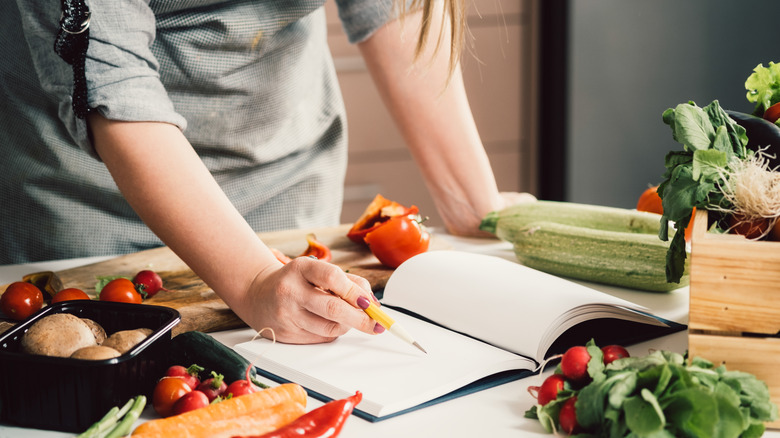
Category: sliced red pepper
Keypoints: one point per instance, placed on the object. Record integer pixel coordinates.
(316, 249)
(377, 212)
(325, 421)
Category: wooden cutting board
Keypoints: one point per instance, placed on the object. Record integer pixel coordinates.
(201, 309)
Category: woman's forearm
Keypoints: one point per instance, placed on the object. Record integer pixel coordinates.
(436, 122)
(169, 187)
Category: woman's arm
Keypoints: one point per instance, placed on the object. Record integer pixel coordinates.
(435, 120)
(168, 186)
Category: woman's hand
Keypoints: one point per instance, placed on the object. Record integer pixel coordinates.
(307, 301)
(465, 221)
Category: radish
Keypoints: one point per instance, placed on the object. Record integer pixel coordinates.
(241, 387)
(574, 364)
(214, 386)
(567, 418)
(550, 388)
(613, 353)
(148, 282)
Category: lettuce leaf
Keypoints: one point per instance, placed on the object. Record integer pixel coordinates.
(763, 87)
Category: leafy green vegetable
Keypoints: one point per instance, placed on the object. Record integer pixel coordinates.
(660, 395)
(711, 140)
(763, 87)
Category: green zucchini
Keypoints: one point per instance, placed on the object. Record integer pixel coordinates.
(199, 348)
(605, 245)
(570, 213)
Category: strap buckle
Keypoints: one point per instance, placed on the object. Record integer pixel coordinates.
(66, 23)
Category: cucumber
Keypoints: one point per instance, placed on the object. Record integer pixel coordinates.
(604, 245)
(570, 213)
(199, 348)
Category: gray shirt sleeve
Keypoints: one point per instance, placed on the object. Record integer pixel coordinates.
(360, 19)
(122, 73)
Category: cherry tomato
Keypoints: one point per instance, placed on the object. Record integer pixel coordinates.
(398, 239)
(120, 290)
(613, 353)
(21, 300)
(167, 391)
(189, 402)
(772, 113)
(550, 388)
(69, 294)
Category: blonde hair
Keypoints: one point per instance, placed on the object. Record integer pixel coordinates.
(455, 10)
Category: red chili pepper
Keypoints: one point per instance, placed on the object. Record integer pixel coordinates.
(316, 249)
(325, 421)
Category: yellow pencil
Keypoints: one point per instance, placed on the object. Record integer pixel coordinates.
(387, 322)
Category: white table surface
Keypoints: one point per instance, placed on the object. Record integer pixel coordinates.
(496, 412)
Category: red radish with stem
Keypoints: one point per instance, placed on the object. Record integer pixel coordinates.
(148, 282)
(574, 363)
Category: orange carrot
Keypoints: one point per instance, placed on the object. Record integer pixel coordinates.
(257, 412)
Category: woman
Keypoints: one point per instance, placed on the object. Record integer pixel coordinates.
(207, 121)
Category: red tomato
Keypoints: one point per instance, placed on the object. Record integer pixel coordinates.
(772, 113)
(550, 388)
(613, 353)
(650, 201)
(167, 391)
(189, 402)
(397, 240)
(20, 300)
(69, 294)
(120, 290)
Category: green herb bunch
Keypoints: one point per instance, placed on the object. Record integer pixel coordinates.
(695, 175)
(661, 396)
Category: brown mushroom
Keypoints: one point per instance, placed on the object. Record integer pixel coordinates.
(95, 352)
(124, 340)
(59, 334)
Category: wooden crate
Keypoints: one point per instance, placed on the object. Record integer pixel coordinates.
(734, 314)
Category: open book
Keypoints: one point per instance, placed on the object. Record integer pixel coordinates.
(483, 321)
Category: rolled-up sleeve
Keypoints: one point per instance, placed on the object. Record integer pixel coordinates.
(122, 73)
(122, 76)
(361, 18)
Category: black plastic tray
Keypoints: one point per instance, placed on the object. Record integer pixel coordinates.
(71, 394)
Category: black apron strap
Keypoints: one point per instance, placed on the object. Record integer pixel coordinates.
(71, 45)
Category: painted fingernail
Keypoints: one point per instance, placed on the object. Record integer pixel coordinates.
(376, 300)
(378, 329)
(363, 302)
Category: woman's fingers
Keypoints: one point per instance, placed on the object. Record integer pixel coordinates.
(322, 301)
(331, 278)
